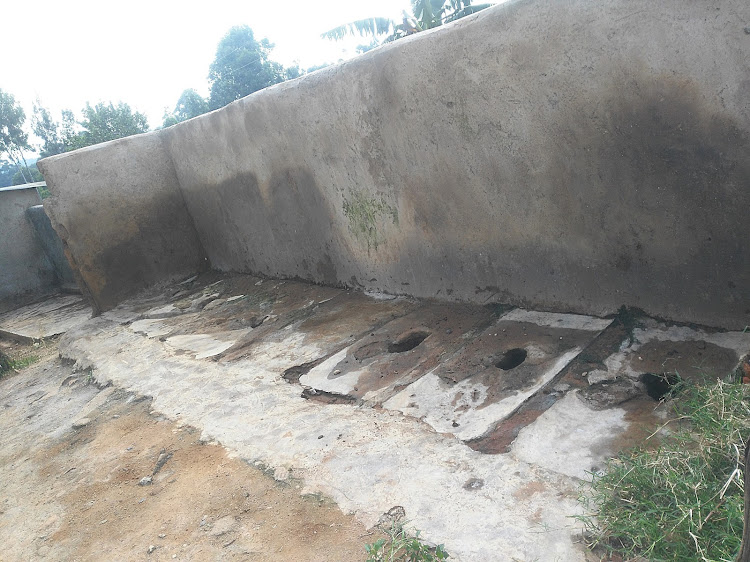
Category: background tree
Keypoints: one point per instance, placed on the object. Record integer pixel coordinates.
(367, 47)
(101, 123)
(68, 125)
(317, 67)
(48, 130)
(241, 66)
(426, 14)
(292, 72)
(13, 139)
(191, 104)
(7, 169)
(30, 175)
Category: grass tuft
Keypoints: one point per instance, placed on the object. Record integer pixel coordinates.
(8, 364)
(684, 500)
(400, 546)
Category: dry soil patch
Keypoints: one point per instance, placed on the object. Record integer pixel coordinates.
(74, 494)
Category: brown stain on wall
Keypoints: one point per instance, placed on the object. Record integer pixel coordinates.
(639, 197)
(286, 233)
(159, 242)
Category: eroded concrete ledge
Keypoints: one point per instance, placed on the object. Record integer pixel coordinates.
(573, 157)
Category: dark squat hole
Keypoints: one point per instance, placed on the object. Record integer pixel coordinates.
(659, 386)
(511, 359)
(407, 341)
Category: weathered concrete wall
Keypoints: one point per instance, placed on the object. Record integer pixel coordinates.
(25, 271)
(573, 156)
(52, 246)
(120, 214)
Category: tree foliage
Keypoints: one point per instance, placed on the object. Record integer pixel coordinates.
(13, 139)
(32, 175)
(7, 170)
(191, 104)
(242, 66)
(48, 130)
(425, 14)
(101, 123)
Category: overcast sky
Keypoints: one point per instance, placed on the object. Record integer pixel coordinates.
(146, 52)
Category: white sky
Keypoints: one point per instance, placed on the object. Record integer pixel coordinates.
(145, 53)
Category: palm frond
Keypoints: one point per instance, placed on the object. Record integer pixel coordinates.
(372, 27)
(428, 13)
(467, 11)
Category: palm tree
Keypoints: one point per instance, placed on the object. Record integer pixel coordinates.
(426, 14)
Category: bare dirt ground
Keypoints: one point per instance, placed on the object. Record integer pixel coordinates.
(72, 457)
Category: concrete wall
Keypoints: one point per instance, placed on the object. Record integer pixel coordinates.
(52, 247)
(572, 156)
(25, 271)
(120, 214)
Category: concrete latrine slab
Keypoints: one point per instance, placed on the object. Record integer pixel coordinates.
(379, 401)
(495, 372)
(395, 355)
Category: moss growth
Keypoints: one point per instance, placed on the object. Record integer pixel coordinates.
(630, 318)
(364, 214)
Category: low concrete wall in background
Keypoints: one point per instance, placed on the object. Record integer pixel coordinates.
(26, 272)
(52, 247)
(571, 156)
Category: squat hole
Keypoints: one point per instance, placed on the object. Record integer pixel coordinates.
(408, 341)
(511, 359)
(660, 386)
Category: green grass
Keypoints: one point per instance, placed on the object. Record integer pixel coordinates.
(400, 546)
(683, 500)
(7, 364)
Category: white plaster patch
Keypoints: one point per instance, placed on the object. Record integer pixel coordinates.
(460, 409)
(279, 354)
(163, 311)
(45, 319)
(736, 341)
(203, 345)
(555, 320)
(378, 296)
(570, 438)
(151, 327)
(319, 377)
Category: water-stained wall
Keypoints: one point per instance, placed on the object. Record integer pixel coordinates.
(574, 156)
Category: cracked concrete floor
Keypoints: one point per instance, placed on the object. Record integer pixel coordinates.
(481, 422)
